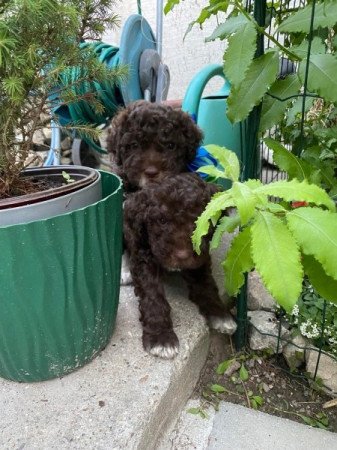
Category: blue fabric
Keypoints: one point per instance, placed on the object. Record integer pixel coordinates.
(203, 158)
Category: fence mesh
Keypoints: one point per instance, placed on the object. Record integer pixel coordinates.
(320, 332)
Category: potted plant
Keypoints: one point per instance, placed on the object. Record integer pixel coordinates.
(59, 271)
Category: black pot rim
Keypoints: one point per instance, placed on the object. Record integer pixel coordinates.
(83, 176)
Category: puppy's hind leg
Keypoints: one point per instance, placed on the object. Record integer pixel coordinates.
(204, 292)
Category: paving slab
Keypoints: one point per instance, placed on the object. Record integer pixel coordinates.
(239, 428)
(123, 399)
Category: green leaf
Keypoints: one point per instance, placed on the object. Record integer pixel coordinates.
(225, 225)
(287, 161)
(295, 111)
(218, 388)
(322, 75)
(222, 367)
(295, 190)
(259, 400)
(238, 261)
(262, 73)
(315, 231)
(240, 52)
(245, 200)
(218, 203)
(326, 286)
(243, 373)
(325, 16)
(227, 159)
(230, 26)
(273, 109)
(212, 171)
(253, 403)
(317, 47)
(277, 259)
(170, 4)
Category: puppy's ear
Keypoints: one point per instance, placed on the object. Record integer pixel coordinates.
(117, 129)
(195, 137)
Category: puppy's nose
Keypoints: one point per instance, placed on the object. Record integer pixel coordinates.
(151, 172)
(182, 254)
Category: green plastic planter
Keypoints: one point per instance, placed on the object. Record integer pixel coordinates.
(59, 294)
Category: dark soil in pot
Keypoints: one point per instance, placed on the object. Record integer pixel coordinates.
(40, 184)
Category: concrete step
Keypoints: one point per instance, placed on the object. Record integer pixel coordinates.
(123, 399)
(239, 428)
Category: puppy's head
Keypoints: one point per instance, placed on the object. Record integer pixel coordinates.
(168, 220)
(150, 142)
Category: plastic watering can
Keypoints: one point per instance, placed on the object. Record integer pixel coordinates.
(210, 112)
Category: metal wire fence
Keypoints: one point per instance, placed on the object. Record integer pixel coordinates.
(313, 317)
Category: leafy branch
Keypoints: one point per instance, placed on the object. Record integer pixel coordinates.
(280, 241)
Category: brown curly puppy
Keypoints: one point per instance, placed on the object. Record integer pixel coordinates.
(158, 223)
(150, 141)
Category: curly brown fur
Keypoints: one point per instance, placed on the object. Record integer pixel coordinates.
(150, 141)
(158, 223)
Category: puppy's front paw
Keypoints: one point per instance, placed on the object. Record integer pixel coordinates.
(225, 324)
(164, 345)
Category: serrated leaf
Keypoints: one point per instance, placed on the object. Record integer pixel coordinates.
(225, 225)
(240, 52)
(295, 110)
(217, 204)
(287, 161)
(277, 258)
(315, 231)
(253, 183)
(295, 190)
(212, 171)
(238, 261)
(227, 159)
(222, 367)
(326, 286)
(317, 47)
(243, 373)
(275, 208)
(325, 16)
(262, 73)
(322, 75)
(230, 26)
(245, 200)
(273, 109)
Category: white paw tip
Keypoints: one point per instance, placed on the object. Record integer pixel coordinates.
(226, 325)
(165, 352)
(126, 278)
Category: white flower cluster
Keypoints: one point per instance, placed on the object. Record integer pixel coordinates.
(309, 329)
(295, 311)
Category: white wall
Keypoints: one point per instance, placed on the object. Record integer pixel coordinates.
(183, 57)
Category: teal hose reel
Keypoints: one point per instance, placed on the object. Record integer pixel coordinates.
(209, 111)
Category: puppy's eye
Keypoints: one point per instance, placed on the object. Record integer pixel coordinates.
(133, 145)
(171, 145)
(163, 221)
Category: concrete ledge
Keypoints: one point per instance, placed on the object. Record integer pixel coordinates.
(240, 428)
(123, 399)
